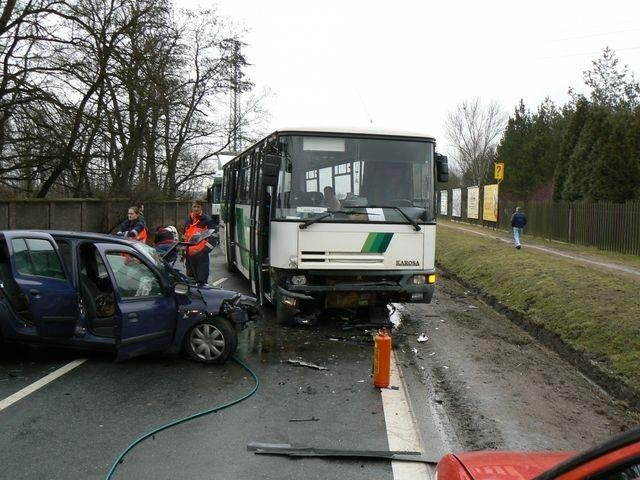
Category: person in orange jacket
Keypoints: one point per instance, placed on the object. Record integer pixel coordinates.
(198, 255)
(133, 227)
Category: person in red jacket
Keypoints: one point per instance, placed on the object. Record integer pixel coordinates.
(198, 255)
(133, 227)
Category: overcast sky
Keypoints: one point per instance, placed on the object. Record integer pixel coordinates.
(406, 64)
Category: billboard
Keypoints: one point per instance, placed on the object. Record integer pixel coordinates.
(490, 206)
(473, 199)
(456, 202)
(444, 200)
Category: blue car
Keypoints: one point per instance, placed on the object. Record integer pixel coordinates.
(101, 292)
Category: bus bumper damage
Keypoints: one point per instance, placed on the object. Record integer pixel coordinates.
(312, 292)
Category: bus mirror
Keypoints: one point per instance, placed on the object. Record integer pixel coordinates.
(442, 168)
(270, 170)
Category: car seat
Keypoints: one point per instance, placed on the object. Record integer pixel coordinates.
(88, 292)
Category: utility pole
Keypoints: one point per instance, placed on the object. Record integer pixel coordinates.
(234, 104)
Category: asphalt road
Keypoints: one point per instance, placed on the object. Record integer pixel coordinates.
(75, 426)
(477, 382)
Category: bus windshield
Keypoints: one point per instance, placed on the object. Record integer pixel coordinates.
(355, 179)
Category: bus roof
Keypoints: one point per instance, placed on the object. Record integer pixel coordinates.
(354, 131)
(328, 130)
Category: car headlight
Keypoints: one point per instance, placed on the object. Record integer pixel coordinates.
(298, 280)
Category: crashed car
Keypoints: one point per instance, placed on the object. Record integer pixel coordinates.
(102, 292)
(616, 459)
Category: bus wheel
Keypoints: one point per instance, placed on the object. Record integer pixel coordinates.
(284, 314)
(231, 268)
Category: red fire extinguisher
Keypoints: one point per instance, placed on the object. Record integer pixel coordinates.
(381, 359)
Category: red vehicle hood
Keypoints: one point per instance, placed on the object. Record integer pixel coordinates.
(510, 465)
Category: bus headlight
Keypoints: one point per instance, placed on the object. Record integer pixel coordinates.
(298, 280)
(418, 279)
(431, 278)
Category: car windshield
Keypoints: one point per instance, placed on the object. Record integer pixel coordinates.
(155, 258)
(383, 180)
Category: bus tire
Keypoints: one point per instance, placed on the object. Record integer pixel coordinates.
(231, 268)
(284, 315)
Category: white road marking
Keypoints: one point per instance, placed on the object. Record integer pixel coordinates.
(402, 433)
(219, 281)
(29, 389)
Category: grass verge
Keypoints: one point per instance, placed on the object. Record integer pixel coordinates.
(592, 317)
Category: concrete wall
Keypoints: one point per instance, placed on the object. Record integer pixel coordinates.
(86, 215)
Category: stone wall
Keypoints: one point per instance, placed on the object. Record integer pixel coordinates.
(86, 215)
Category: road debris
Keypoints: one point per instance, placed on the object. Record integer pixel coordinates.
(312, 419)
(286, 449)
(422, 338)
(306, 364)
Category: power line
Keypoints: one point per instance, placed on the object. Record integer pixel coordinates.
(585, 54)
(593, 35)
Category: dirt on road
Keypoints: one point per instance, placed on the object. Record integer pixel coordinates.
(495, 387)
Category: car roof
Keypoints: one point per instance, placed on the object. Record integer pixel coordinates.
(98, 237)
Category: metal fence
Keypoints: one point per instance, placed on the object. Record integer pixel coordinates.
(606, 225)
(89, 215)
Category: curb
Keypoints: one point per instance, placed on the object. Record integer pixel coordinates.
(584, 361)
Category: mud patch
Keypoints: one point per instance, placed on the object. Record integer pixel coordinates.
(592, 366)
(496, 384)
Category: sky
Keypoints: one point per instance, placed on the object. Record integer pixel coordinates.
(407, 64)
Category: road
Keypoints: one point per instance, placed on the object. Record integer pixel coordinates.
(477, 382)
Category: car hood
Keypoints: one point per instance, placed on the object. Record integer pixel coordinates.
(213, 297)
(510, 465)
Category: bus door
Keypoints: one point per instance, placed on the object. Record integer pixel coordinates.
(264, 195)
(254, 263)
(229, 214)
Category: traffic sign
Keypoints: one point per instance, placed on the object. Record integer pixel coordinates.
(499, 171)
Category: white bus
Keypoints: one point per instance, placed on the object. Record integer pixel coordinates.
(321, 219)
(214, 195)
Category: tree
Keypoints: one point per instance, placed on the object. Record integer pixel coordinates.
(616, 158)
(611, 85)
(474, 130)
(110, 97)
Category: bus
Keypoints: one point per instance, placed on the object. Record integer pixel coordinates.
(214, 196)
(324, 219)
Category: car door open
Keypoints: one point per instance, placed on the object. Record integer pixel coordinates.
(52, 300)
(145, 311)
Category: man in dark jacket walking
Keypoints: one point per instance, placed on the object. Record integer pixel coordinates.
(518, 221)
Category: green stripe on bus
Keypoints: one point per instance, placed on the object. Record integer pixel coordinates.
(377, 243)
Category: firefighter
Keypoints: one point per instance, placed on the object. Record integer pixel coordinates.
(198, 255)
(133, 227)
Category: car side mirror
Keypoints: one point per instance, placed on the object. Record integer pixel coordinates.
(270, 170)
(442, 168)
(181, 289)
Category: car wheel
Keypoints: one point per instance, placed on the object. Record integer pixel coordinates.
(211, 341)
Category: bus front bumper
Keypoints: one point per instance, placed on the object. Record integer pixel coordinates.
(336, 289)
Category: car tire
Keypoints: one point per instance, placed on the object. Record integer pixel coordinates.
(211, 341)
